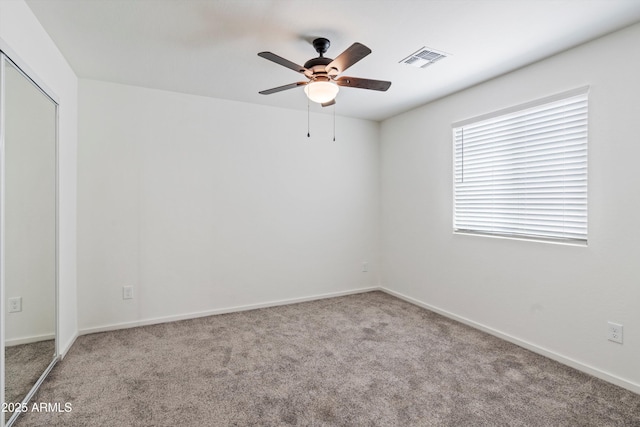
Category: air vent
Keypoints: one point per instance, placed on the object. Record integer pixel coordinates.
(424, 57)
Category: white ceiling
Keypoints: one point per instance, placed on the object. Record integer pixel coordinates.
(209, 47)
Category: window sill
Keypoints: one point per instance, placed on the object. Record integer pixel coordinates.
(578, 243)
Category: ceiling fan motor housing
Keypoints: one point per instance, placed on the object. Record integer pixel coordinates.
(318, 66)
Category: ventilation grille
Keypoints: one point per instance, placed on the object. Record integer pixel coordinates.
(424, 57)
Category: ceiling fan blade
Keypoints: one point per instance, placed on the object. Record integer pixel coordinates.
(281, 88)
(346, 59)
(328, 103)
(284, 62)
(380, 85)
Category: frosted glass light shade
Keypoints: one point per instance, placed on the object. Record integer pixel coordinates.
(321, 92)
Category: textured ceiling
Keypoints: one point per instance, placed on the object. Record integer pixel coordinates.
(210, 48)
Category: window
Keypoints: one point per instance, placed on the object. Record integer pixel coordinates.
(522, 172)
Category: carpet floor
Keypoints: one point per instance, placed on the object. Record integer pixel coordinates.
(23, 365)
(360, 360)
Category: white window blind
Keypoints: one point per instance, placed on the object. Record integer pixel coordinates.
(524, 173)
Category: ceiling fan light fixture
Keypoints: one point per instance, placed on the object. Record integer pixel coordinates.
(321, 91)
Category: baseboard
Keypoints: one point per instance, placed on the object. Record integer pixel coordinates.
(631, 386)
(166, 319)
(63, 350)
(29, 340)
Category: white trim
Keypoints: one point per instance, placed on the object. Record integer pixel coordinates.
(166, 319)
(30, 340)
(28, 72)
(611, 378)
(577, 243)
(56, 213)
(525, 106)
(65, 349)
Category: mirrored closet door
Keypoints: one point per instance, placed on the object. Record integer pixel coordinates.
(29, 234)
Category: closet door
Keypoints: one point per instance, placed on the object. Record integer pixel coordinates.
(29, 235)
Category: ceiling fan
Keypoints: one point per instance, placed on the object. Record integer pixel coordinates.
(323, 84)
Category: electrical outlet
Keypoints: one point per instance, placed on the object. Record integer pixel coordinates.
(615, 332)
(15, 304)
(365, 266)
(127, 292)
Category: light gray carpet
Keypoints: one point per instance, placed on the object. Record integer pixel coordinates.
(360, 360)
(23, 366)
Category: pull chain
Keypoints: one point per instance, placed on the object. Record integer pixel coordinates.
(308, 119)
(334, 122)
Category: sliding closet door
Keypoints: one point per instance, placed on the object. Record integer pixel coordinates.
(29, 233)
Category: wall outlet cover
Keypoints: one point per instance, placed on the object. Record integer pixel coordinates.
(614, 332)
(15, 304)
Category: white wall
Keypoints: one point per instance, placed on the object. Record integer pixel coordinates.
(203, 204)
(553, 298)
(23, 34)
